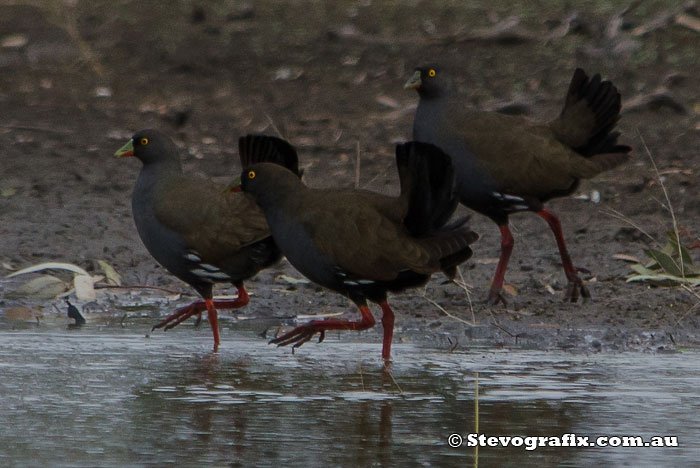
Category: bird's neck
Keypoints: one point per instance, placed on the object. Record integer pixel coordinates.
(427, 119)
(155, 174)
(282, 195)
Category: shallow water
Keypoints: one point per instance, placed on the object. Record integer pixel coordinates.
(113, 398)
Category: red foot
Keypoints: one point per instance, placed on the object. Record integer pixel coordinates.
(496, 297)
(304, 333)
(196, 308)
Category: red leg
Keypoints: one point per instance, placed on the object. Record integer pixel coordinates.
(495, 295)
(388, 324)
(196, 308)
(575, 286)
(304, 333)
(213, 322)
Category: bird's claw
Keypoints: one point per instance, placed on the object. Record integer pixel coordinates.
(576, 289)
(299, 336)
(496, 297)
(178, 317)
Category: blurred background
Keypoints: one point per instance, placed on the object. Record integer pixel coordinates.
(78, 78)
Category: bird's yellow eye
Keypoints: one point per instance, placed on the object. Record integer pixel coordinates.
(143, 141)
(251, 175)
(431, 73)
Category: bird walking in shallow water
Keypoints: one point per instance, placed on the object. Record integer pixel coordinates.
(362, 244)
(507, 164)
(201, 232)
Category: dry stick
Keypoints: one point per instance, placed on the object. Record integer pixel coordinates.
(388, 371)
(612, 212)
(463, 284)
(36, 128)
(668, 201)
(110, 286)
(696, 305)
(272, 124)
(442, 309)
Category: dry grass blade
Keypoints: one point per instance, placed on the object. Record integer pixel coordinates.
(463, 284)
(443, 310)
(274, 127)
(388, 371)
(668, 203)
(617, 215)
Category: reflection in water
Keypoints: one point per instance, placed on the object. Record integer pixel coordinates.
(69, 399)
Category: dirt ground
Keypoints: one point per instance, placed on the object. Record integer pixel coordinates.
(77, 78)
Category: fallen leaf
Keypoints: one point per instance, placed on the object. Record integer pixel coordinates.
(667, 263)
(85, 287)
(43, 287)
(50, 266)
(688, 21)
(8, 192)
(387, 101)
(626, 258)
(14, 41)
(113, 278)
(510, 289)
(292, 280)
(486, 260)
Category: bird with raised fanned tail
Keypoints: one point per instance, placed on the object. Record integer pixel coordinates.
(201, 232)
(363, 244)
(505, 164)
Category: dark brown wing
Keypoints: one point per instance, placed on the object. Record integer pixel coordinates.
(523, 158)
(213, 221)
(362, 240)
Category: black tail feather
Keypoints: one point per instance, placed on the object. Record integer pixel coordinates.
(254, 149)
(451, 248)
(427, 178)
(591, 110)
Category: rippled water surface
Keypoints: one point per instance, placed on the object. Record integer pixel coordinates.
(114, 398)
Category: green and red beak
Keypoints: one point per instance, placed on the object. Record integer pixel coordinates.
(235, 186)
(413, 82)
(126, 150)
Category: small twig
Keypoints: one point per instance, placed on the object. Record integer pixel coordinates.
(366, 184)
(696, 305)
(36, 128)
(442, 309)
(388, 371)
(463, 284)
(111, 286)
(272, 124)
(616, 214)
(503, 329)
(668, 202)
